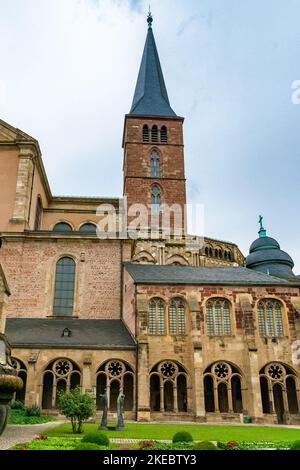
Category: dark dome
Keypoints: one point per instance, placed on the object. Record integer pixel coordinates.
(267, 257)
(264, 242)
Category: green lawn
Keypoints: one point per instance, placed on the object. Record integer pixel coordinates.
(198, 431)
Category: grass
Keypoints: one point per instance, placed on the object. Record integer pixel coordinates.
(198, 432)
(18, 417)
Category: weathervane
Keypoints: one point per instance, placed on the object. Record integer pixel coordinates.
(149, 18)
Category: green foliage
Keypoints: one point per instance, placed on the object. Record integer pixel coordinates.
(87, 446)
(295, 445)
(204, 445)
(182, 436)
(18, 417)
(97, 437)
(17, 405)
(76, 406)
(33, 410)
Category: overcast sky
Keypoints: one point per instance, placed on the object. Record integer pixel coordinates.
(68, 69)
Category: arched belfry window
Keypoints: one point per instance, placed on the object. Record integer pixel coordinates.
(218, 317)
(154, 164)
(154, 134)
(62, 227)
(164, 135)
(38, 214)
(155, 198)
(145, 133)
(64, 287)
(156, 317)
(177, 317)
(270, 318)
(88, 228)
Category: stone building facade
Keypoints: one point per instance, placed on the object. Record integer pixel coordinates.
(190, 330)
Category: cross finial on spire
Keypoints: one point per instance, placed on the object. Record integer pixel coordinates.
(149, 18)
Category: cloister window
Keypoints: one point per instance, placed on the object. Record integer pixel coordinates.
(64, 287)
(177, 317)
(62, 227)
(145, 133)
(21, 370)
(38, 214)
(111, 377)
(88, 228)
(279, 385)
(222, 389)
(156, 317)
(61, 374)
(168, 387)
(155, 198)
(154, 164)
(164, 135)
(270, 318)
(218, 319)
(154, 134)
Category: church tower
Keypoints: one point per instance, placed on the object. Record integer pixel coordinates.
(153, 141)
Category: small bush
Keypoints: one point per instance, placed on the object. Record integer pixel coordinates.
(76, 406)
(205, 445)
(96, 437)
(182, 437)
(32, 411)
(87, 446)
(295, 445)
(17, 405)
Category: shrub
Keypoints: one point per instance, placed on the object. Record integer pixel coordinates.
(204, 445)
(96, 437)
(17, 405)
(87, 446)
(76, 406)
(32, 410)
(182, 436)
(146, 445)
(295, 445)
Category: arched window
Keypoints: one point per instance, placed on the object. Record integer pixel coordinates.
(61, 374)
(226, 380)
(155, 198)
(88, 228)
(38, 214)
(164, 135)
(154, 164)
(278, 386)
(218, 317)
(156, 317)
(177, 317)
(145, 133)
(62, 227)
(168, 387)
(64, 287)
(111, 377)
(270, 318)
(21, 370)
(154, 134)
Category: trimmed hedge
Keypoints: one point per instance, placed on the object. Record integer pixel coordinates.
(96, 437)
(87, 446)
(295, 445)
(182, 436)
(205, 445)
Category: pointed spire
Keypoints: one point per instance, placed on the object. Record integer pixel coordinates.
(151, 97)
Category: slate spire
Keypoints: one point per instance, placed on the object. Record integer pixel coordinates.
(151, 97)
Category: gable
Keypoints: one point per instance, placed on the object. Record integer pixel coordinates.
(11, 134)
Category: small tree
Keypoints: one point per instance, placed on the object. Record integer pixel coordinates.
(76, 406)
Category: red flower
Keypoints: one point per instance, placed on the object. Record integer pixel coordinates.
(232, 444)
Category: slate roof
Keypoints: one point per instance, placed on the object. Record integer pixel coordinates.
(85, 334)
(151, 97)
(157, 274)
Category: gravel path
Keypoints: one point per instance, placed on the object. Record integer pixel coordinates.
(15, 433)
